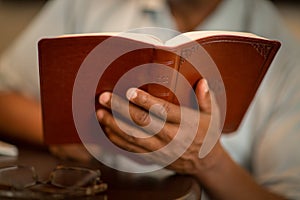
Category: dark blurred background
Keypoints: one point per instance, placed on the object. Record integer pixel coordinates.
(16, 14)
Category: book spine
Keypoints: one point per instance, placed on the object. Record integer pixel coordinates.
(164, 79)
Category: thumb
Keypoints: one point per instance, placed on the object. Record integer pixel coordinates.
(203, 96)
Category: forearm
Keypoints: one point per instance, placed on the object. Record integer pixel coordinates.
(20, 119)
(222, 178)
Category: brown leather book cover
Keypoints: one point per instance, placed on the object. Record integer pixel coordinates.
(242, 61)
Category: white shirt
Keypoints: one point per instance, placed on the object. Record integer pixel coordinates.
(267, 141)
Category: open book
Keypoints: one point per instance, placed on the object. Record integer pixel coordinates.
(233, 61)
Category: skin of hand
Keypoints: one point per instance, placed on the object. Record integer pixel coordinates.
(76, 152)
(217, 173)
(141, 144)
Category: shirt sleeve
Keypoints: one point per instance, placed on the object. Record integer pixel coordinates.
(19, 63)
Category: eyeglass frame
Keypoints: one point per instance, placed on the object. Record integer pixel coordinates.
(29, 192)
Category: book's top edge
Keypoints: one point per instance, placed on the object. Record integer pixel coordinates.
(177, 40)
(191, 34)
(89, 34)
(203, 34)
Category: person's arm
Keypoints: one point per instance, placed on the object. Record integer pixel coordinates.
(20, 118)
(21, 122)
(217, 173)
(222, 178)
(20, 114)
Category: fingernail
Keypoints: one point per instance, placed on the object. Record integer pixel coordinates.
(131, 93)
(104, 98)
(205, 86)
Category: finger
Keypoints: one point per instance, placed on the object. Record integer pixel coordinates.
(147, 147)
(214, 130)
(129, 134)
(151, 156)
(124, 144)
(159, 107)
(123, 107)
(140, 117)
(203, 96)
(105, 99)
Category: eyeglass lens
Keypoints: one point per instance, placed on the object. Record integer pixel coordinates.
(73, 177)
(18, 177)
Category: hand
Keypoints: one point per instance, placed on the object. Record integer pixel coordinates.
(221, 177)
(75, 152)
(163, 119)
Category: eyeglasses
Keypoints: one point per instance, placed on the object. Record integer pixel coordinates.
(20, 181)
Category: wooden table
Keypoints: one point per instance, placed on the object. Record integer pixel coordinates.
(120, 185)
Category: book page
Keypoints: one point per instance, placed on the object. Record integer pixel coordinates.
(194, 35)
(174, 41)
(142, 37)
